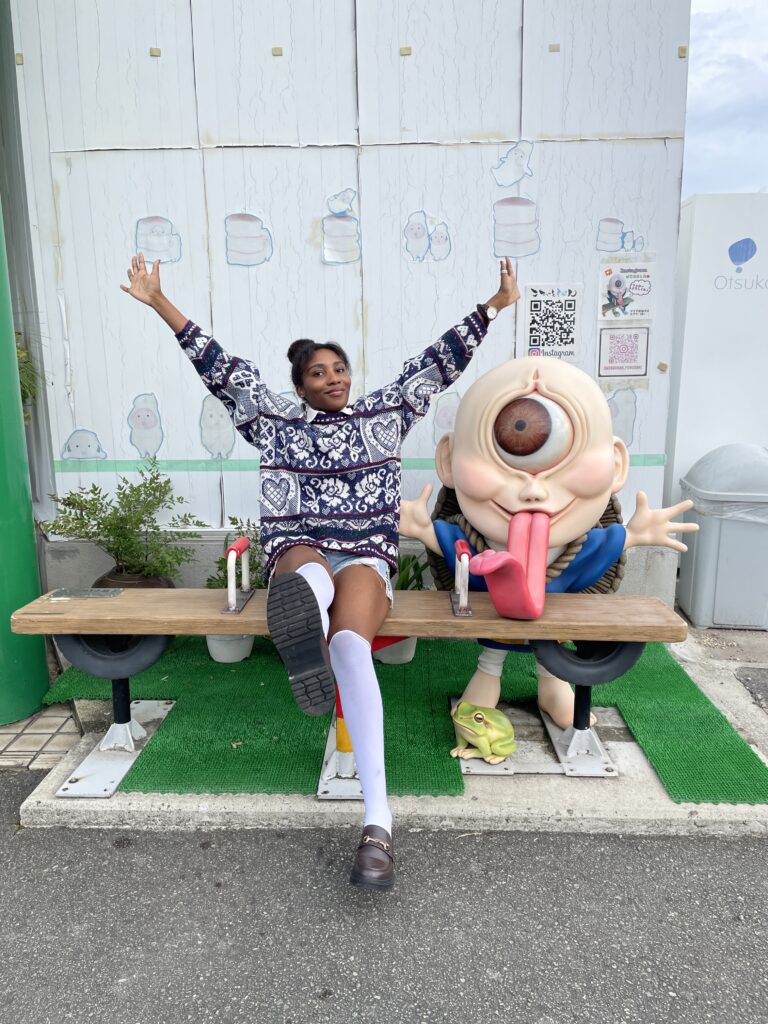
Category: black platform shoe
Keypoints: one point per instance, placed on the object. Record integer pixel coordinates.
(296, 628)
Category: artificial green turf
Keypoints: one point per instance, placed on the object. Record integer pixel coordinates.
(236, 729)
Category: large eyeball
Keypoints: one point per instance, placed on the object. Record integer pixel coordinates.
(532, 433)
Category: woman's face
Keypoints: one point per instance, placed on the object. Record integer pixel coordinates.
(326, 381)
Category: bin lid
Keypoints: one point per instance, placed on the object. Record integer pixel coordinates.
(733, 472)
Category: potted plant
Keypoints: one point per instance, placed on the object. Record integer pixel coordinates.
(410, 576)
(30, 379)
(125, 525)
(231, 648)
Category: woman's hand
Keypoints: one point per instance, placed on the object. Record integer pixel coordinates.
(508, 293)
(144, 286)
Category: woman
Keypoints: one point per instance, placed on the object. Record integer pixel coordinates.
(330, 499)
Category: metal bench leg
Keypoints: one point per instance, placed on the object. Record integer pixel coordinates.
(124, 729)
(579, 748)
(586, 663)
(116, 658)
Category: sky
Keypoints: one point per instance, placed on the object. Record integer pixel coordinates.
(726, 131)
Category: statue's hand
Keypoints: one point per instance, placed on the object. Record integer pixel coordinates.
(653, 526)
(415, 520)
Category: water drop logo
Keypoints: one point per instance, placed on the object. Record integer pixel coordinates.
(741, 252)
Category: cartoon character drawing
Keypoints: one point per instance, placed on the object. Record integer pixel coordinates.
(611, 237)
(446, 407)
(216, 431)
(83, 444)
(156, 238)
(440, 242)
(515, 227)
(248, 241)
(341, 230)
(416, 235)
(623, 406)
(617, 294)
(146, 434)
(514, 165)
(529, 476)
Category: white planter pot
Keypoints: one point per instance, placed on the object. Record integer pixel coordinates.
(227, 649)
(397, 654)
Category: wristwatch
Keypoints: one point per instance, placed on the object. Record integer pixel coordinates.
(489, 312)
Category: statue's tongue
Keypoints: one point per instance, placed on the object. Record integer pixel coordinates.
(528, 542)
(517, 577)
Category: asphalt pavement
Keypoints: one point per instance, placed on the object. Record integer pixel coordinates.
(138, 927)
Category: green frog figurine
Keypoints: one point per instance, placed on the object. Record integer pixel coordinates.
(488, 730)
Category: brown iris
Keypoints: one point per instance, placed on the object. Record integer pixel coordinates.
(522, 427)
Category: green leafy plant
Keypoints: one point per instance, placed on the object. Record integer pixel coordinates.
(30, 378)
(410, 573)
(240, 528)
(126, 524)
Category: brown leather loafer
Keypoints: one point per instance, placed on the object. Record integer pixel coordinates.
(374, 866)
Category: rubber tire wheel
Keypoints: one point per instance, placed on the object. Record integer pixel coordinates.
(591, 663)
(112, 657)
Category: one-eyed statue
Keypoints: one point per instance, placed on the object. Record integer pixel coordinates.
(529, 477)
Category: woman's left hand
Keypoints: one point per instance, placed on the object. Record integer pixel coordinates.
(508, 292)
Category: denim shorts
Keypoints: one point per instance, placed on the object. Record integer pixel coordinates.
(339, 560)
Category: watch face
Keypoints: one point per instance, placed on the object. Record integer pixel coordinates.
(491, 312)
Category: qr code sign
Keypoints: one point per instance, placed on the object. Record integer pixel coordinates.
(551, 321)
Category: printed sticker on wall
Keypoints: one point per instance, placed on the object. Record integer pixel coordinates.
(341, 229)
(83, 444)
(623, 352)
(248, 241)
(146, 434)
(216, 431)
(514, 165)
(156, 238)
(623, 406)
(426, 237)
(515, 227)
(552, 320)
(627, 291)
(612, 237)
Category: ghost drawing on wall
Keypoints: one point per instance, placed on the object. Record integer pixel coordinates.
(416, 236)
(514, 165)
(83, 444)
(216, 431)
(440, 242)
(146, 434)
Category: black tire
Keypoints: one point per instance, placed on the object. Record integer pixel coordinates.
(589, 662)
(112, 657)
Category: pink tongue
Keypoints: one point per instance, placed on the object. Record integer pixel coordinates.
(528, 542)
(517, 578)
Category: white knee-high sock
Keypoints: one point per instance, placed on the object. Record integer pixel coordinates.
(322, 587)
(361, 700)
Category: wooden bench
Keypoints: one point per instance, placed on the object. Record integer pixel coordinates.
(586, 639)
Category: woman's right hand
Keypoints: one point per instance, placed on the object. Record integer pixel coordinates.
(144, 286)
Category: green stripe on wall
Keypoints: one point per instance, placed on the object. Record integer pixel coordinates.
(245, 465)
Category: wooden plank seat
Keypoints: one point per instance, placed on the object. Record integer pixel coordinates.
(115, 634)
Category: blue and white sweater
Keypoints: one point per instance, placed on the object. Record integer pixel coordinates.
(331, 480)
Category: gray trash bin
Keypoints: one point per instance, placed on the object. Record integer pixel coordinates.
(724, 574)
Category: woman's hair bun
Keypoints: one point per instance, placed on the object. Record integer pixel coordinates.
(296, 348)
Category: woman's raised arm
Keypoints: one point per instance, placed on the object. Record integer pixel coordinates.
(146, 288)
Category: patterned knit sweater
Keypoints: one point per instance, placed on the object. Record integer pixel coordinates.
(331, 480)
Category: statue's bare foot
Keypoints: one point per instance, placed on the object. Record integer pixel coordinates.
(557, 699)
